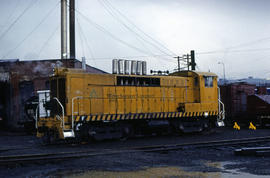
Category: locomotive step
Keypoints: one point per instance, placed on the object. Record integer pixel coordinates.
(69, 133)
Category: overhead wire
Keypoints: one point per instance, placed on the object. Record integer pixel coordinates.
(229, 49)
(81, 38)
(32, 31)
(250, 43)
(126, 57)
(114, 15)
(99, 27)
(48, 40)
(136, 27)
(140, 38)
(9, 17)
(102, 29)
(31, 4)
(234, 51)
(86, 41)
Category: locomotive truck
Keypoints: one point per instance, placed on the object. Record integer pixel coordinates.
(81, 105)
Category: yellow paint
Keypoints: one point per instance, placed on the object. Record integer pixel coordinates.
(103, 96)
(251, 126)
(99, 94)
(236, 126)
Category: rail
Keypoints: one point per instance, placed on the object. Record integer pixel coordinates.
(52, 156)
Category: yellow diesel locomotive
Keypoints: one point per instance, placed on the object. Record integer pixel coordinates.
(100, 106)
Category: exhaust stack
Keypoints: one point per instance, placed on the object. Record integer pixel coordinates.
(128, 67)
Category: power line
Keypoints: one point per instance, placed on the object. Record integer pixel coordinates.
(11, 13)
(47, 41)
(121, 22)
(228, 49)
(31, 32)
(86, 41)
(140, 38)
(153, 43)
(81, 39)
(234, 51)
(135, 26)
(99, 27)
(31, 4)
(128, 57)
(114, 15)
(250, 43)
(102, 29)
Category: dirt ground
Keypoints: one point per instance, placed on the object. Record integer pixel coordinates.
(188, 162)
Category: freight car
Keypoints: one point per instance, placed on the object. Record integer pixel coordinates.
(258, 106)
(246, 103)
(101, 106)
(234, 96)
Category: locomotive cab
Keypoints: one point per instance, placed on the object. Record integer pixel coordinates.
(206, 95)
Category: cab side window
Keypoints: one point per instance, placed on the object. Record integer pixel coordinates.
(208, 81)
(196, 81)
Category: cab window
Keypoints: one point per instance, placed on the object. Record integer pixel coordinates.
(208, 81)
(196, 81)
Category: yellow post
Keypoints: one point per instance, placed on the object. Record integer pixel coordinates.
(251, 126)
(236, 126)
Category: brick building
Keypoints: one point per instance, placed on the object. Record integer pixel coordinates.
(19, 80)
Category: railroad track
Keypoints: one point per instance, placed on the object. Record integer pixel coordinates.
(30, 158)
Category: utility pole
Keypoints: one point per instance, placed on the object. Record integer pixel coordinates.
(178, 60)
(72, 50)
(63, 29)
(192, 57)
(188, 63)
(189, 59)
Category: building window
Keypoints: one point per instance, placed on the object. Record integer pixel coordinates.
(208, 81)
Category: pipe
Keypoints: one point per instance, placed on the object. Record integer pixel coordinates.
(63, 111)
(72, 49)
(83, 63)
(63, 29)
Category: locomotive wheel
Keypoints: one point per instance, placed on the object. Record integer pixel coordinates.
(128, 132)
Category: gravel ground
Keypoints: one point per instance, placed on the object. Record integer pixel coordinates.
(189, 162)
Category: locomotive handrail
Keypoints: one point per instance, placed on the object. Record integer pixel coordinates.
(59, 118)
(63, 111)
(72, 108)
(36, 116)
(222, 111)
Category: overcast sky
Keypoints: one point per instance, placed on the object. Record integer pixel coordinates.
(235, 32)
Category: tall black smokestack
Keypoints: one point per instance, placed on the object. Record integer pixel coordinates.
(193, 64)
(72, 50)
